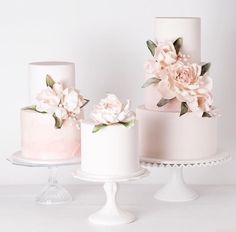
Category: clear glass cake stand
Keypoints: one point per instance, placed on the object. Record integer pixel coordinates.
(52, 193)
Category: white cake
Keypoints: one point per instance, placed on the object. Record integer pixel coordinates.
(46, 136)
(187, 28)
(109, 140)
(111, 151)
(163, 133)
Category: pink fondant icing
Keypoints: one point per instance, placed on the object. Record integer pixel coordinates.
(41, 140)
(165, 135)
(152, 97)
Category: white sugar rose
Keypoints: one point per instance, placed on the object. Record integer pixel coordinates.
(72, 101)
(126, 114)
(110, 110)
(58, 88)
(47, 101)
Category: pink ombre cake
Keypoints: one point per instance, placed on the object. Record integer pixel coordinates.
(177, 120)
(50, 127)
(42, 141)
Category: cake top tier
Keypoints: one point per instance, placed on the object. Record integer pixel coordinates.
(63, 72)
(189, 28)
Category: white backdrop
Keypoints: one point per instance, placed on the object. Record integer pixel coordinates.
(106, 41)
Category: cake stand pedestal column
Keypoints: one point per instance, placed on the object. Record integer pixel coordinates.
(52, 193)
(111, 213)
(176, 190)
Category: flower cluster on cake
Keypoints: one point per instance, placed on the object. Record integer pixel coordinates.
(176, 78)
(62, 103)
(113, 150)
(111, 111)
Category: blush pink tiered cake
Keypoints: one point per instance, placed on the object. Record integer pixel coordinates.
(178, 121)
(50, 127)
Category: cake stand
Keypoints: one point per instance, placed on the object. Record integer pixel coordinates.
(176, 190)
(52, 193)
(111, 213)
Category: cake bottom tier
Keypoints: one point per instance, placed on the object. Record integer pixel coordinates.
(40, 139)
(111, 151)
(165, 135)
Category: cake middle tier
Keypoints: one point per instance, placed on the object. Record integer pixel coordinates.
(165, 135)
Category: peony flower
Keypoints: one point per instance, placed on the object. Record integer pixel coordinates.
(110, 111)
(187, 76)
(152, 67)
(72, 101)
(58, 88)
(126, 115)
(165, 54)
(47, 101)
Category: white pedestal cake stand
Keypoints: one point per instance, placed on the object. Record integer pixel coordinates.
(52, 193)
(111, 213)
(176, 190)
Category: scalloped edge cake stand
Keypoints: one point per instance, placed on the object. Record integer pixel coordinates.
(176, 190)
(52, 193)
(111, 213)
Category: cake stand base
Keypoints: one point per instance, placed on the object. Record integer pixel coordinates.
(53, 193)
(175, 189)
(111, 213)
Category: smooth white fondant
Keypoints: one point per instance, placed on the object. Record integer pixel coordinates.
(112, 151)
(165, 135)
(187, 28)
(63, 72)
(41, 140)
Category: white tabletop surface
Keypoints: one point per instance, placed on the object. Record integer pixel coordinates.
(215, 210)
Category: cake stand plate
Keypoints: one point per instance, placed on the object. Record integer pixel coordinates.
(111, 213)
(53, 193)
(176, 190)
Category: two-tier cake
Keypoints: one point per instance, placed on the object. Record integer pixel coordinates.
(50, 126)
(177, 120)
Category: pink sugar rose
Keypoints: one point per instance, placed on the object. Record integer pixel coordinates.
(165, 54)
(152, 67)
(187, 76)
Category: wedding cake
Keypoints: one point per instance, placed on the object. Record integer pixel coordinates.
(50, 126)
(109, 140)
(178, 120)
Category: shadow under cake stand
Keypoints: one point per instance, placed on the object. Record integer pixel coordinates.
(52, 193)
(111, 213)
(176, 190)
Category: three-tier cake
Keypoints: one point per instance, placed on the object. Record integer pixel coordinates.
(177, 120)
